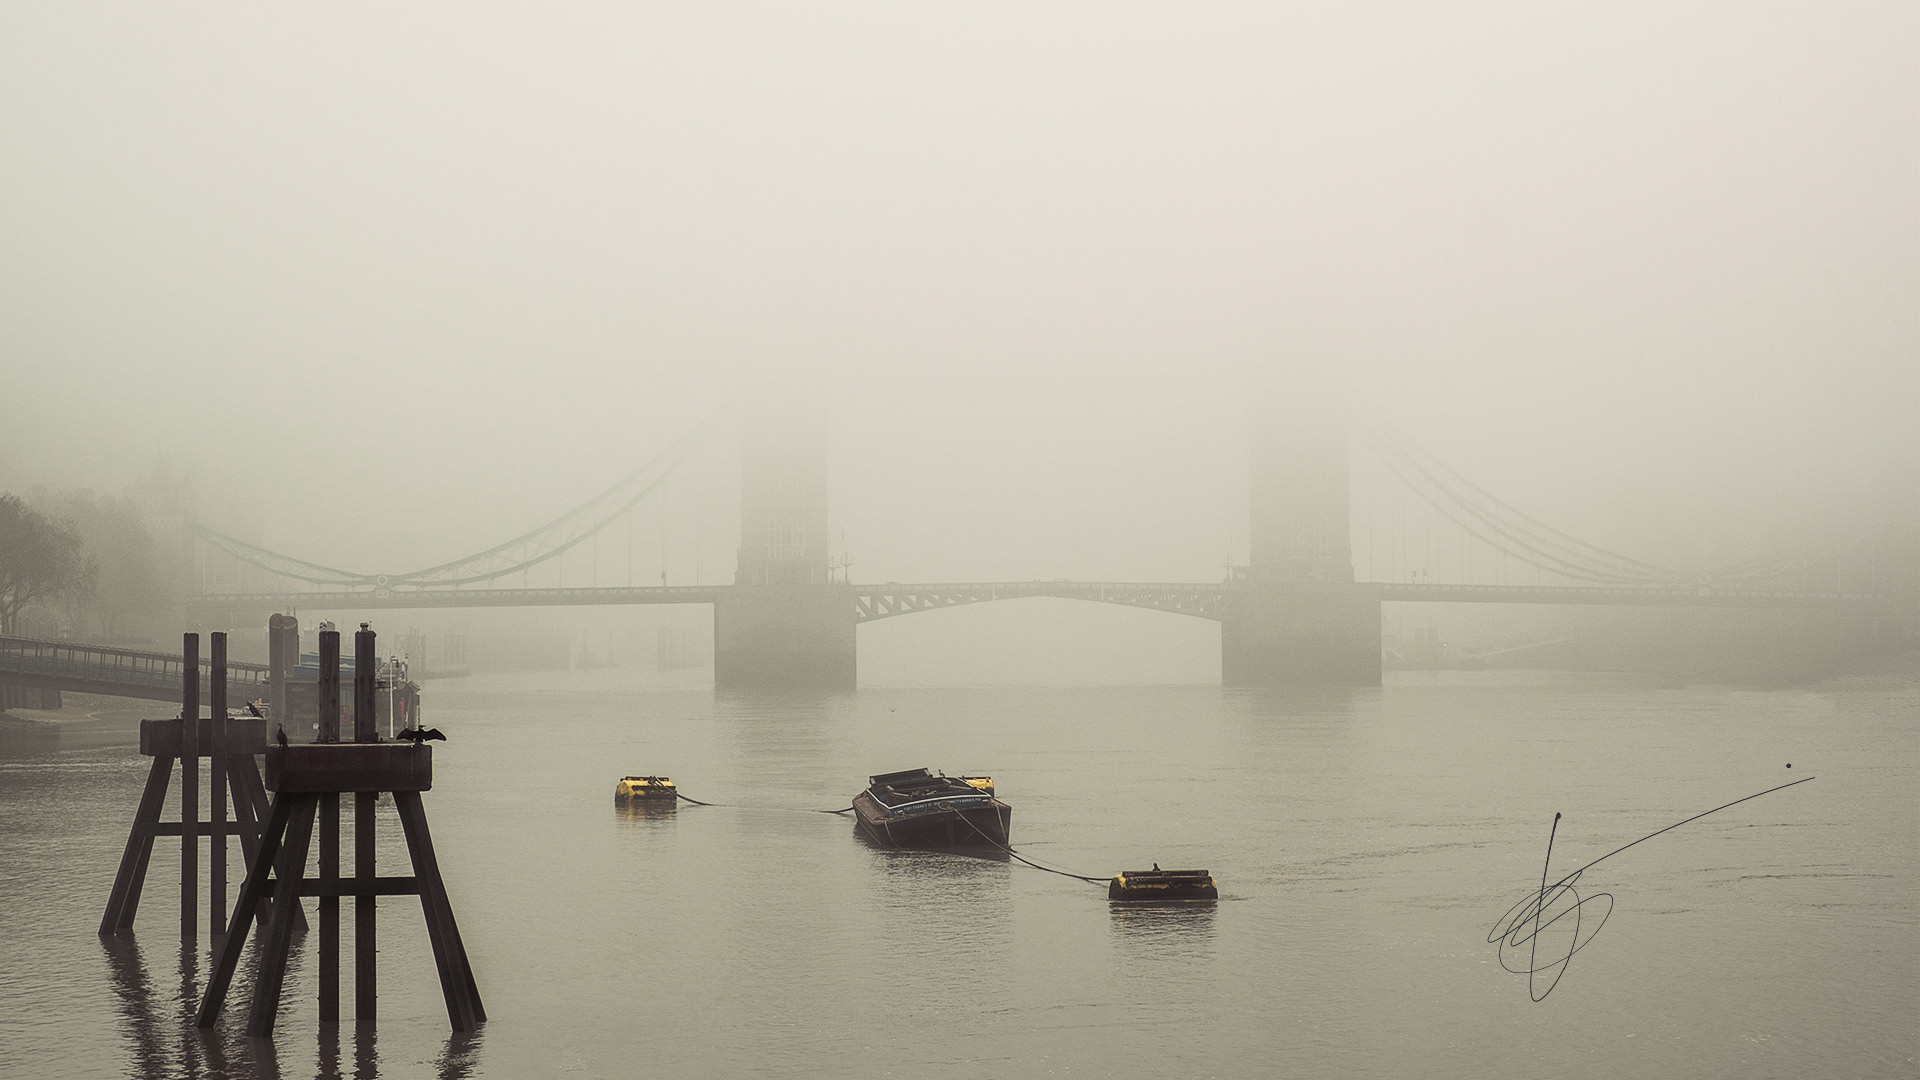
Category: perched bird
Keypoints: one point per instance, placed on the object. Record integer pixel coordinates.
(416, 736)
(253, 709)
(280, 734)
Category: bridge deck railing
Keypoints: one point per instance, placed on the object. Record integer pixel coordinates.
(106, 664)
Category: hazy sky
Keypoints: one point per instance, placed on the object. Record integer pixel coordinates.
(1646, 269)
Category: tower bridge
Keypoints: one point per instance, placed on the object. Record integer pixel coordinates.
(1295, 614)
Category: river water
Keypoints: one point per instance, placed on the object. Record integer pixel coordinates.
(1365, 844)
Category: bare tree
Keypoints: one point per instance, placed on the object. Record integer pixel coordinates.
(40, 559)
(128, 580)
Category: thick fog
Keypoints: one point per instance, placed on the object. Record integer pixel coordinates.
(393, 283)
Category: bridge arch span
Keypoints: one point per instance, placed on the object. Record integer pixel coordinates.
(1041, 640)
(874, 602)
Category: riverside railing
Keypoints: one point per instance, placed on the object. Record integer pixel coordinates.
(106, 666)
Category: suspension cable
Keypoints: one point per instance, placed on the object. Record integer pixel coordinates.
(516, 555)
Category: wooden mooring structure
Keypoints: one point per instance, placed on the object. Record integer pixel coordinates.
(276, 837)
(307, 780)
(229, 745)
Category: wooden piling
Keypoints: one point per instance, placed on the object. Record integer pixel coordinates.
(365, 983)
(308, 780)
(329, 809)
(365, 729)
(286, 896)
(124, 900)
(189, 782)
(253, 897)
(217, 791)
(330, 908)
(449, 953)
(251, 809)
(365, 724)
(329, 687)
(283, 654)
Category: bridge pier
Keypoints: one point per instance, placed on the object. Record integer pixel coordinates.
(785, 622)
(1295, 617)
(1301, 635)
(784, 636)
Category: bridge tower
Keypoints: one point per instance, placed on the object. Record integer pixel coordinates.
(1296, 616)
(785, 623)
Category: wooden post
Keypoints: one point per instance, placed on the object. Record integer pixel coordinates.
(286, 896)
(329, 687)
(189, 782)
(449, 954)
(329, 810)
(330, 908)
(217, 791)
(277, 665)
(124, 900)
(249, 792)
(365, 725)
(365, 729)
(364, 974)
(262, 808)
(251, 896)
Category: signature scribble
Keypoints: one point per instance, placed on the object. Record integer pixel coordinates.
(1555, 912)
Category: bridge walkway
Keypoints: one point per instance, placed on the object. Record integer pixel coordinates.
(101, 669)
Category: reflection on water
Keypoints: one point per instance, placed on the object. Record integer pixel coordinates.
(460, 1057)
(163, 1040)
(645, 811)
(160, 1031)
(929, 856)
(1298, 702)
(128, 975)
(773, 733)
(1150, 928)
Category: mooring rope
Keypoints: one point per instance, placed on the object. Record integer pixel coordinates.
(952, 810)
(736, 806)
(1023, 858)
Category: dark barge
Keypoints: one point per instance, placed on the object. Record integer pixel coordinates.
(916, 809)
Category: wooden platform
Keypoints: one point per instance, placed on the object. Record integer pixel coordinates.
(333, 768)
(245, 735)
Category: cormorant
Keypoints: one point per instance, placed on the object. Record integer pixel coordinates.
(280, 734)
(416, 736)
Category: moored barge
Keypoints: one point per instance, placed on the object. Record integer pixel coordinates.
(916, 809)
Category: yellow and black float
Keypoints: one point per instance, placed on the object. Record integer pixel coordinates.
(644, 788)
(1163, 886)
